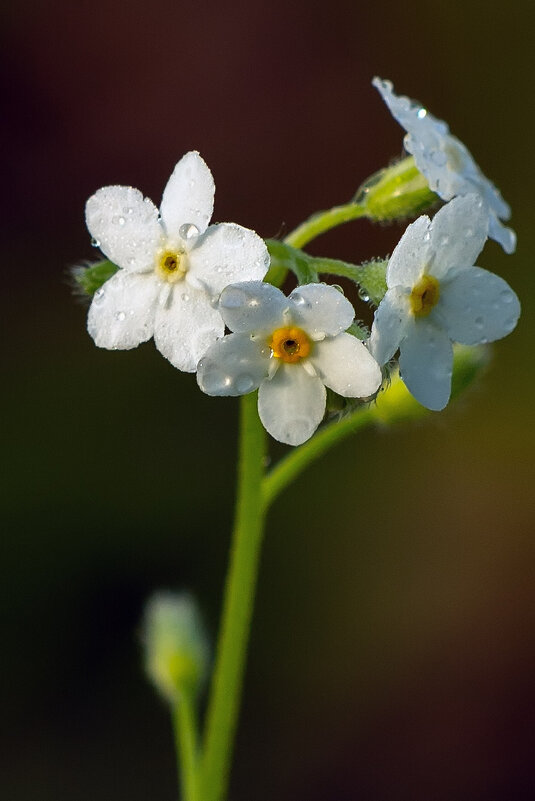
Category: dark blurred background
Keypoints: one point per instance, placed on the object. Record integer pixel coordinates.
(392, 652)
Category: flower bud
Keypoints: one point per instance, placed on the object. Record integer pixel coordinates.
(396, 192)
(176, 646)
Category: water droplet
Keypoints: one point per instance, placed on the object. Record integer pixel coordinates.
(510, 323)
(506, 296)
(469, 233)
(185, 297)
(363, 295)
(95, 243)
(479, 322)
(129, 210)
(243, 383)
(120, 316)
(427, 236)
(219, 269)
(191, 183)
(422, 112)
(188, 231)
(233, 298)
(300, 300)
(444, 240)
(122, 220)
(98, 297)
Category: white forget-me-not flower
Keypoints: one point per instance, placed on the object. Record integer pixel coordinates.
(436, 296)
(446, 163)
(173, 266)
(291, 348)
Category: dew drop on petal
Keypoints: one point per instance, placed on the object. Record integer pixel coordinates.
(185, 297)
(243, 383)
(479, 322)
(300, 301)
(120, 316)
(98, 297)
(510, 324)
(188, 231)
(444, 240)
(506, 296)
(95, 243)
(422, 112)
(233, 298)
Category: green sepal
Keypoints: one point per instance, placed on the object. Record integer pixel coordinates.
(396, 192)
(88, 279)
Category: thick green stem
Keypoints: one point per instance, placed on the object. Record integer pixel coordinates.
(184, 723)
(223, 708)
(323, 221)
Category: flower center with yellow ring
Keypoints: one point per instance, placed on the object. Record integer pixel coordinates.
(424, 295)
(171, 266)
(290, 344)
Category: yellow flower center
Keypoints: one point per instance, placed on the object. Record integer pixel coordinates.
(290, 344)
(424, 295)
(171, 266)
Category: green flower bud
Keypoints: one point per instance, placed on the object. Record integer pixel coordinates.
(396, 192)
(176, 646)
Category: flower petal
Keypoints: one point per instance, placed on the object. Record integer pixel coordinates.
(320, 309)
(506, 237)
(458, 233)
(186, 326)
(234, 365)
(227, 254)
(252, 306)
(425, 363)
(291, 405)
(389, 324)
(411, 255)
(345, 365)
(125, 226)
(188, 197)
(121, 315)
(477, 306)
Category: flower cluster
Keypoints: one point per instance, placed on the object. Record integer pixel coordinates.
(183, 281)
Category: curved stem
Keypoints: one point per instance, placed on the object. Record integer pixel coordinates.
(322, 222)
(184, 724)
(223, 708)
(297, 460)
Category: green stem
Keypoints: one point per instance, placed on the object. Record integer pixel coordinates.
(184, 724)
(323, 221)
(223, 708)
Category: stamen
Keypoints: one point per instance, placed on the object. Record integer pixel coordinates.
(424, 295)
(171, 266)
(290, 344)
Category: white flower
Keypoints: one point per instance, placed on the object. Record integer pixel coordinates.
(173, 266)
(290, 348)
(446, 163)
(435, 296)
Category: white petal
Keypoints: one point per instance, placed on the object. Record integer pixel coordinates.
(188, 197)
(121, 315)
(252, 306)
(506, 237)
(227, 254)
(234, 365)
(320, 309)
(477, 306)
(186, 327)
(411, 255)
(125, 226)
(345, 365)
(458, 233)
(389, 324)
(291, 405)
(425, 363)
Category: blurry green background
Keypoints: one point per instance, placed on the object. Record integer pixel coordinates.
(393, 650)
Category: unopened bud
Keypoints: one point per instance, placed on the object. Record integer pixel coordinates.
(396, 192)
(176, 646)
